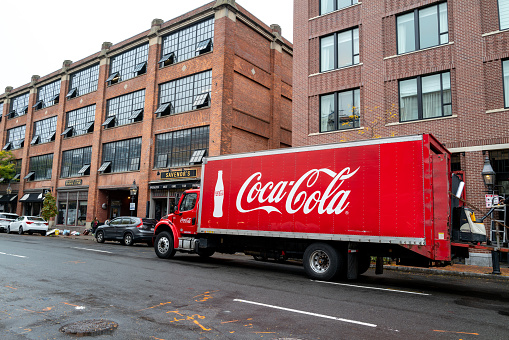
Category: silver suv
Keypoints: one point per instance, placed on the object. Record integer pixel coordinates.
(5, 219)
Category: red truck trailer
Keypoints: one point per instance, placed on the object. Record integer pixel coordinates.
(333, 206)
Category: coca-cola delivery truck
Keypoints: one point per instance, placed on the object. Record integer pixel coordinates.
(333, 206)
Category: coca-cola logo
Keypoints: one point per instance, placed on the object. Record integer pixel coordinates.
(333, 200)
(219, 193)
(185, 220)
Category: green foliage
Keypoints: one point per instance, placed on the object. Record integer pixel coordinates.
(49, 206)
(7, 162)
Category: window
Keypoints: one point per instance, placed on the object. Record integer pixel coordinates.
(327, 6)
(505, 68)
(182, 93)
(422, 28)
(83, 82)
(339, 50)
(128, 64)
(122, 108)
(1, 110)
(73, 161)
(72, 208)
(19, 105)
(47, 95)
(122, 155)
(503, 13)
(188, 202)
(455, 162)
(188, 42)
(15, 138)
(425, 97)
(175, 148)
(80, 121)
(340, 111)
(17, 170)
(41, 166)
(45, 130)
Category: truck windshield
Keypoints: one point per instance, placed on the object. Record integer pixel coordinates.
(188, 202)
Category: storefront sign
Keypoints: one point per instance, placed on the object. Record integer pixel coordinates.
(72, 182)
(178, 174)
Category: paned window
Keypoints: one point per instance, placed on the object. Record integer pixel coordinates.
(19, 105)
(425, 97)
(15, 138)
(124, 66)
(1, 110)
(80, 121)
(176, 148)
(503, 13)
(83, 82)
(340, 110)
(339, 50)
(45, 130)
(72, 208)
(183, 92)
(17, 170)
(422, 28)
(122, 156)
(74, 160)
(327, 6)
(124, 107)
(505, 67)
(41, 166)
(48, 95)
(188, 42)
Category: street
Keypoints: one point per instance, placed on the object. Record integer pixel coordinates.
(49, 282)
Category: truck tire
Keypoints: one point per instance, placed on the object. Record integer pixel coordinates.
(364, 262)
(205, 252)
(322, 261)
(164, 245)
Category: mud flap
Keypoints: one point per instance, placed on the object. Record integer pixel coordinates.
(379, 265)
(353, 265)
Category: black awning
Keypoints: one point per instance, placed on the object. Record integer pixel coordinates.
(31, 198)
(7, 198)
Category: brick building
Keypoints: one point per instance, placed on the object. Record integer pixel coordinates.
(368, 69)
(213, 81)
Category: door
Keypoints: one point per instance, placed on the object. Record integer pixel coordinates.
(185, 221)
(115, 209)
(160, 208)
(441, 232)
(111, 231)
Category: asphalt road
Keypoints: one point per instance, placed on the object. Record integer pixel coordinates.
(49, 282)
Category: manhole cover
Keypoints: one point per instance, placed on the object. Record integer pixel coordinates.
(89, 327)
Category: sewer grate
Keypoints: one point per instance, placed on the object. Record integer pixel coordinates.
(90, 327)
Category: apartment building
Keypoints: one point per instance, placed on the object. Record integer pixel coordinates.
(141, 114)
(369, 69)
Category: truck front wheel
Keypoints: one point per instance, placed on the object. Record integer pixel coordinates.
(164, 245)
(322, 261)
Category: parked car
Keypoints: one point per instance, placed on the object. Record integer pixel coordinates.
(30, 224)
(5, 219)
(128, 230)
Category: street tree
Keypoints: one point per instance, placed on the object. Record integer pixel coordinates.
(7, 162)
(49, 206)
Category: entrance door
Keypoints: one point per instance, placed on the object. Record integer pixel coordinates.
(115, 209)
(161, 208)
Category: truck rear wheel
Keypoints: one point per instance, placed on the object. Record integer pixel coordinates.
(364, 262)
(322, 261)
(164, 245)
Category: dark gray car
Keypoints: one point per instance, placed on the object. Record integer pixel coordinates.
(128, 230)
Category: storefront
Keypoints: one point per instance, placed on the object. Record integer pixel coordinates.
(72, 203)
(165, 194)
(32, 202)
(8, 202)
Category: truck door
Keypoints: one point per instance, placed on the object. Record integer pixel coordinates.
(185, 220)
(441, 199)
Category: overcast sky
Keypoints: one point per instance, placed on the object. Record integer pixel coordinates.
(36, 36)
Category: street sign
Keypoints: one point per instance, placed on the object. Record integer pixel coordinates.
(132, 206)
(489, 200)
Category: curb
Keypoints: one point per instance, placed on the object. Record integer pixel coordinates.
(446, 272)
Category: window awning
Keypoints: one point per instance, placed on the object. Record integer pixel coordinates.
(31, 198)
(29, 175)
(7, 198)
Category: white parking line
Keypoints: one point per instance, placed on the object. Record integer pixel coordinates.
(99, 251)
(25, 257)
(307, 313)
(374, 288)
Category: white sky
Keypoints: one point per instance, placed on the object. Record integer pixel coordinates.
(36, 36)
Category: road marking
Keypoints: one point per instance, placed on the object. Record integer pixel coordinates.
(307, 313)
(437, 330)
(374, 288)
(99, 251)
(25, 257)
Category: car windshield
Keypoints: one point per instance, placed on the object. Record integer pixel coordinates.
(38, 219)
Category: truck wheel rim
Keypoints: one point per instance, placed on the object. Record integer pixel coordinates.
(319, 261)
(163, 245)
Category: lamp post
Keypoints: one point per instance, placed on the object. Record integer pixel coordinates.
(133, 190)
(488, 176)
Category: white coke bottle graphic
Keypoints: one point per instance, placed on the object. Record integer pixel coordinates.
(219, 195)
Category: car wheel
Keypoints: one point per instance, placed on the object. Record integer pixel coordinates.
(20, 230)
(30, 232)
(99, 237)
(164, 245)
(43, 233)
(128, 239)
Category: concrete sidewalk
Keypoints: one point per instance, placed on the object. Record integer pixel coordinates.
(455, 270)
